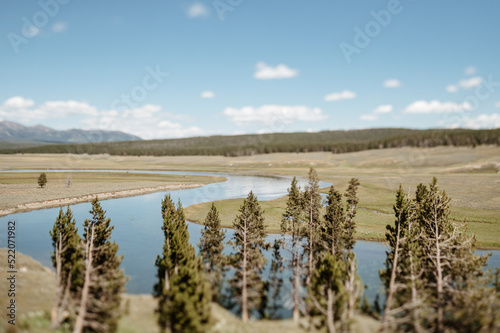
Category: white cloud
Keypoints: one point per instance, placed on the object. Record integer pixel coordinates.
(471, 70)
(392, 83)
(207, 94)
(337, 96)
(483, 121)
(383, 109)
(424, 107)
(265, 72)
(368, 117)
(270, 114)
(497, 105)
(470, 83)
(198, 9)
(451, 88)
(21, 109)
(465, 84)
(59, 27)
(147, 122)
(61, 109)
(17, 102)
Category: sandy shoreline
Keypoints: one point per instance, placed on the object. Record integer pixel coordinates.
(29, 206)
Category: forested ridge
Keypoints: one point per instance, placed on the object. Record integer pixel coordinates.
(244, 145)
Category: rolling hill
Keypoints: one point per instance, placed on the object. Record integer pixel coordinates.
(240, 145)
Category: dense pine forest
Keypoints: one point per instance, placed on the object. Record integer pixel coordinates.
(433, 281)
(244, 145)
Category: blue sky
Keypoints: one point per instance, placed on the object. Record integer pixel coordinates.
(165, 69)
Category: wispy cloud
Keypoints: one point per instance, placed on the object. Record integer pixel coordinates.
(392, 83)
(383, 109)
(59, 26)
(207, 94)
(337, 96)
(267, 114)
(266, 72)
(497, 105)
(147, 122)
(19, 108)
(425, 107)
(198, 9)
(483, 121)
(451, 88)
(368, 117)
(471, 70)
(465, 84)
(17, 102)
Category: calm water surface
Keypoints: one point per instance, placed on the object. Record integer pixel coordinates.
(137, 227)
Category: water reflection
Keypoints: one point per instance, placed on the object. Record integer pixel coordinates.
(138, 221)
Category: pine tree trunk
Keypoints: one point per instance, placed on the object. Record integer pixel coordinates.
(244, 296)
(414, 309)
(55, 321)
(330, 316)
(311, 234)
(82, 311)
(351, 290)
(415, 318)
(296, 282)
(388, 302)
(439, 278)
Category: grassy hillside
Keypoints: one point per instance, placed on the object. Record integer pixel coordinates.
(245, 145)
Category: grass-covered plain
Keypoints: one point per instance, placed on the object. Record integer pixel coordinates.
(469, 176)
(20, 188)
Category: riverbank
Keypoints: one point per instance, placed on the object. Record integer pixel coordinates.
(29, 206)
(20, 193)
(470, 176)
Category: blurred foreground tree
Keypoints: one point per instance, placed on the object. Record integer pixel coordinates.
(104, 281)
(247, 286)
(182, 290)
(211, 247)
(67, 259)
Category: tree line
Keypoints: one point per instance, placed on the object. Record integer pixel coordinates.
(242, 145)
(432, 279)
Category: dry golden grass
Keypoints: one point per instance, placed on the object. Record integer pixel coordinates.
(18, 189)
(469, 176)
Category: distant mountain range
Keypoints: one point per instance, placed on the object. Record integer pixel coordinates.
(14, 133)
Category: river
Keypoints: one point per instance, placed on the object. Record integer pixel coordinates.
(137, 226)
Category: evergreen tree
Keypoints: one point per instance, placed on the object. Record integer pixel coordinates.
(104, 281)
(333, 226)
(292, 224)
(351, 209)
(312, 204)
(337, 288)
(327, 290)
(67, 259)
(211, 247)
(275, 279)
(353, 287)
(42, 180)
(400, 277)
(182, 291)
(249, 240)
(433, 279)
